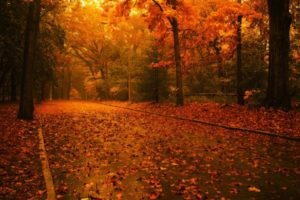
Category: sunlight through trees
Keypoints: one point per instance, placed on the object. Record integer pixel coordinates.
(102, 50)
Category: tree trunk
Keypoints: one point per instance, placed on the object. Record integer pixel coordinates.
(51, 91)
(104, 72)
(217, 49)
(278, 81)
(13, 86)
(129, 79)
(156, 89)
(174, 23)
(62, 89)
(239, 88)
(26, 106)
(4, 73)
(43, 84)
(2, 93)
(179, 87)
(69, 85)
(38, 92)
(107, 89)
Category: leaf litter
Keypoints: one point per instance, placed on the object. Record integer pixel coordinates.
(99, 152)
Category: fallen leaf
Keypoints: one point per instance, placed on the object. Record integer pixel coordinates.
(253, 189)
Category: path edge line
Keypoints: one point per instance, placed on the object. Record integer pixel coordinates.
(45, 167)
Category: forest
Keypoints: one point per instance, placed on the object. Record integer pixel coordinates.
(149, 99)
(150, 51)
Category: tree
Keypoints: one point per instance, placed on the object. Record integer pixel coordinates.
(94, 48)
(158, 12)
(174, 24)
(240, 93)
(279, 44)
(26, 106)
(12, 25)
(51, 42)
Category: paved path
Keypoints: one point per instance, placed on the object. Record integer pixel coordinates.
(109, 153)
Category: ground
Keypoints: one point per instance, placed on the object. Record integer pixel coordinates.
(104, 152)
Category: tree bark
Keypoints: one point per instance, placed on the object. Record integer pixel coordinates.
(129, 79)
(69, 84)
(174, 23)
(239, 88)
(156, 85)
(179, 87)
(43, 84)
(278, 80)
(3, 93)
(4, 73)
(217, 49)
(13, 86)
(63, 81)
(51, 91)
(26, 106)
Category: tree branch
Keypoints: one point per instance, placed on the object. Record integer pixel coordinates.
(160, 7)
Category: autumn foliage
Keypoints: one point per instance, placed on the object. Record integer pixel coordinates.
(150, 99)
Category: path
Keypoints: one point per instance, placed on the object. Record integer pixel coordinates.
(110, 153)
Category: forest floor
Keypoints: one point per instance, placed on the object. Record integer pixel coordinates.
(104, 152)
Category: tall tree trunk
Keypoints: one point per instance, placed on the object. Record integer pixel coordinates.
(175, 30)
(62, 89)
(51, 91)
(13, 87)
(220, 70)
(179, 87)
(174, 23)
(104, 73)
(38, 92)
(107, 89)
(239, 75)
(69, 85)
(156, 89)
(217, 49)
(43, 84)
(26, 106)
(3, 74)
(129, 79)
(2, 93)
(278, 81)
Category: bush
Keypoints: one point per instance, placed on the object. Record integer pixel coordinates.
(254, 98)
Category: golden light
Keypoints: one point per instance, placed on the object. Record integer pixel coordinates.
(95, 3)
